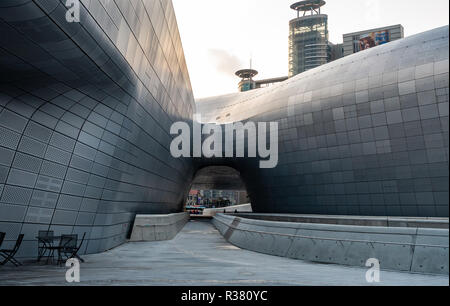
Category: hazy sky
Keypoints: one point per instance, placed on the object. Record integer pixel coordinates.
(220, 36)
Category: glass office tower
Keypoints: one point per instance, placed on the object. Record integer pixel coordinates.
(308, 37)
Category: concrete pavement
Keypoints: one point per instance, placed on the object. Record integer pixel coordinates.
(199, 255)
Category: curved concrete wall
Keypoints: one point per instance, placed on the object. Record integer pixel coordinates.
(158, 227)
(242, 208)
(406, 249)
(85, 115)
(351, 220)
(365, 135)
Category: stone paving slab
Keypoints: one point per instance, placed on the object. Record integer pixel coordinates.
(200, 256)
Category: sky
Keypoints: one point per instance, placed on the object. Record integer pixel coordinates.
(221, 36)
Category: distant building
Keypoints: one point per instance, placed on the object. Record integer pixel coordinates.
(194, 197)
(247, 83)
(335, 51)
(308, 37)
(358, 41)
(217, 198)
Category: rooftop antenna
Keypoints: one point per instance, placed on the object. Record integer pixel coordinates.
(247, 75)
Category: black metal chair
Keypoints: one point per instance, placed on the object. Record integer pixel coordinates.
(2, 237)
(8, 255)
(67, 242)
(45, 240)
(71, 251)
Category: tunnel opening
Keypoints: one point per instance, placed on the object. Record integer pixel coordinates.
(217, 189)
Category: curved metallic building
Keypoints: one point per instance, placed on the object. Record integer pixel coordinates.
(365, 135)
(85, 116)
(86, 110)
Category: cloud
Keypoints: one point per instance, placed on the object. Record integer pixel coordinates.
(225, 62)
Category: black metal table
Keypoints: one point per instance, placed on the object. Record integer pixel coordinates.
(48, 244)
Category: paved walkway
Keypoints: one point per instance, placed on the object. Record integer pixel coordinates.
(200, 256)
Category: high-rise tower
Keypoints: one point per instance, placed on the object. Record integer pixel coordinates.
(308, 37)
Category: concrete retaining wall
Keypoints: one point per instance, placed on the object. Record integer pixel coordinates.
(211, 212)
(421, 250)
(158, 227)
(351, 220)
